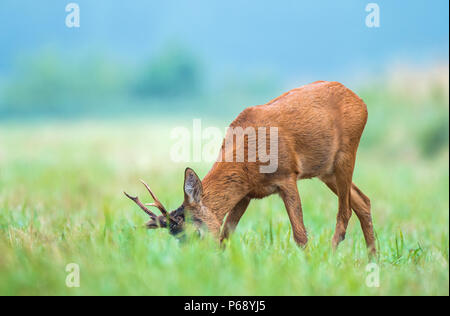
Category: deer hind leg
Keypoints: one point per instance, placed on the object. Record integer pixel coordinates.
(360, 204)
(343, 175)
(233, 218)
(291, 198)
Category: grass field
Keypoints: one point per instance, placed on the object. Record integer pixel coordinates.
(61, 202)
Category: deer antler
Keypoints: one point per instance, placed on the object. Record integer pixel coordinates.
(157, 203)
(135, 199)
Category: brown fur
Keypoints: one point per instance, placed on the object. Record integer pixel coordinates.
(319, 128)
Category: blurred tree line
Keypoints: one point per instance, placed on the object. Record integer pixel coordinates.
(50, 85)
(173, 81)
(411, 111)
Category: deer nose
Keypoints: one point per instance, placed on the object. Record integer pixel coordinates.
(159, 222)
(151, 224)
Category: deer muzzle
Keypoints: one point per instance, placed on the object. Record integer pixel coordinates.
(159, 222)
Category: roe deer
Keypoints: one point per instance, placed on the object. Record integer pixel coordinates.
(319, 128)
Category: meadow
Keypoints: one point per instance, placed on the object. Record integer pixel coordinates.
(61, 202)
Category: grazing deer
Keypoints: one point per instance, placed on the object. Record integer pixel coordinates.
(319, 127)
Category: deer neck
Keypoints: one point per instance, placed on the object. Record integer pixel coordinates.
(223, 187)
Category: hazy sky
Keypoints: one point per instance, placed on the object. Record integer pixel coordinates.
(318, 39)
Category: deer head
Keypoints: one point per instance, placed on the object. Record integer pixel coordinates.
(175, 220)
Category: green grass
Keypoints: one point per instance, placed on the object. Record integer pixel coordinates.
(61, 202)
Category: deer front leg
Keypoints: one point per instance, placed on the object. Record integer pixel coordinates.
(233, 218)
(291, 198)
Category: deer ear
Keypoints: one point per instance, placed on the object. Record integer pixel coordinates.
(193, 190)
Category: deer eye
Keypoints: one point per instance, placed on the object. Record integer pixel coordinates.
(197, 221)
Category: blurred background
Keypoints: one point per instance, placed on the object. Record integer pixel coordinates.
(170, 62)
(214, 58)
(85, 112)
